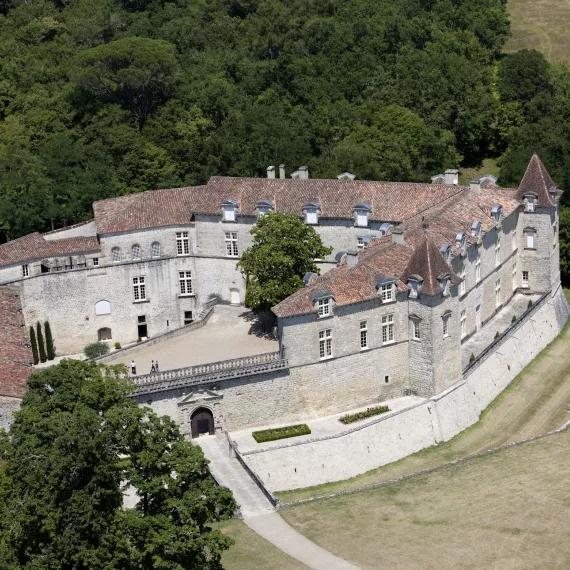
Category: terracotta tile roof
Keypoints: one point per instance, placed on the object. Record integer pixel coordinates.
(156, 208)
(15, 358)
(536, 179)
(34, 246)
(390, 201)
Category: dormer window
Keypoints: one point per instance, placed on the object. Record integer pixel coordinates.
(460, 240)
(229, 208)
(311, 211)
(384, 228)
(324, 307)
(496, 212)
(445, 251)
(263, 207)
(414, 282)
(530, 202)
(361, 213)
(323, 302)
(476, 229)
(444, 281)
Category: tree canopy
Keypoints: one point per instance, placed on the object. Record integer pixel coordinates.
(284, 249)
(75, 443)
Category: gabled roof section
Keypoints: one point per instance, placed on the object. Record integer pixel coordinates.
(428, 263)
(15, 356)
(536, 179)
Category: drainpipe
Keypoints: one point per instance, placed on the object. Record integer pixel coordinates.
(409, 348)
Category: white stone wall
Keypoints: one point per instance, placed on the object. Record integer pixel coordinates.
(87, 229)
(8, 407)
(387, 439)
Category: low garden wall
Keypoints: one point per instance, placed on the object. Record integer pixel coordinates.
(388, 438)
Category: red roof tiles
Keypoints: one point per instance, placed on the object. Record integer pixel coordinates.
(15, 357)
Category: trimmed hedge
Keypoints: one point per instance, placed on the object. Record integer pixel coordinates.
(281, 433)
(95, 350)
(349, 418)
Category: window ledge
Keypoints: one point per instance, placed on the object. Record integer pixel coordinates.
(530, 248)
(364, 348)
(389, 343)
(187, 295)
(323, 317)
(388, 302)
(179, 255)
(232, 256)
(142, 301)
(326, 358)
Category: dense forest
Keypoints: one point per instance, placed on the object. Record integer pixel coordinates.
(105, 97)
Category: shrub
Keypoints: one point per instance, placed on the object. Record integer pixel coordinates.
(34, 344)
(497, 335)
(529, 303)
(117, 345)
(95, 350)
(50, 348)
(514, 318)
(472, 357)
(41, 345)
(139, 339)
(349, 418)
(281, 433)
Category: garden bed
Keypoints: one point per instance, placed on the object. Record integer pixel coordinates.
(281, 433)
(349, 418)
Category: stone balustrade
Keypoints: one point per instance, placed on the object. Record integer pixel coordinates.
(209, 373)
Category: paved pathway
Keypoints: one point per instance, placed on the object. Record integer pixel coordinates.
(258, 513)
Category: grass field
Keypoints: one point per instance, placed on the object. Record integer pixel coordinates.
(534, 403)
(509, 509)
(251, 552)
(541, 25)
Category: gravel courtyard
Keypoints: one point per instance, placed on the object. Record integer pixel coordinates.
(225, 336)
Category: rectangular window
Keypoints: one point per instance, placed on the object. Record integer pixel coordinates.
(462, 285)
(530, 240)
(231, 244)
(514, 240)
(25, 270)
(188, 317)
(360, 242)
(498, 293)
(498, 251)
(478, 269)
(324, 307)
(361, 219)
(525, 279)
(185, 278)
(386, 379)
(463, 323)
(95, 262)
(514, 276)
(325, 344)
(530, 203)
(554, 234)
(387, 329)
(229, 214)
(139, 288)
(363, 335)
(182, 243)
(386, 292)
(416, 329)
(311, 217)
(445, 326)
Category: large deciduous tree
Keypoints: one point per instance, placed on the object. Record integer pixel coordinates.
(283, 250)
(76, 442)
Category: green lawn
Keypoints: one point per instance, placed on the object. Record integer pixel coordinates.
(509, 509)
(534, 403)
(251, 552)
(541, 25)
(489, 166)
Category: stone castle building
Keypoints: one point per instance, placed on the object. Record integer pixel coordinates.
(416, 269)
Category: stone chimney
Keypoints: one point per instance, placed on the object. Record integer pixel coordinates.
(271, 172)
(303, 172)
(398, 236)
(282, 171)
(351, 258)
(452, 177)
(475, 186)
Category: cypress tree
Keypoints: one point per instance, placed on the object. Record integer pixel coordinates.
(50, 348)
(34, 344)
(41, 345)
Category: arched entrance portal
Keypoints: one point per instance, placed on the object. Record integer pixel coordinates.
(202, 421)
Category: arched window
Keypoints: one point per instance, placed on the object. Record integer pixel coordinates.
(116, 254)
(136, 252)
(102, 308)
(155, 249)
(104, 334)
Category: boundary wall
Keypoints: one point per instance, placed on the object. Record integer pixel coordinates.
(397, 435)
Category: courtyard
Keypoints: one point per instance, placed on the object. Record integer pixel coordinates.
(230, 332)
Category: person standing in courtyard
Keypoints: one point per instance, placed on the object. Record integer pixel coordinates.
(133, 368)
(156, 365)
(152, 368)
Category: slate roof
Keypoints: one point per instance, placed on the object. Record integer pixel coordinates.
(536, 179)
(15, 357)
(34, 246)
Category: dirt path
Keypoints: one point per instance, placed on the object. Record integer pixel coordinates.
(534, 403)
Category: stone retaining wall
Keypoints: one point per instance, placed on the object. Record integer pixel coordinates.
(394, 436)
